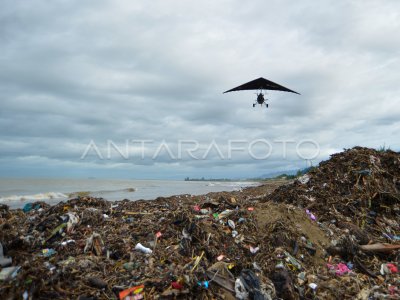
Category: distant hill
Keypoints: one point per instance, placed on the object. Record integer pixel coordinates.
(287, 173)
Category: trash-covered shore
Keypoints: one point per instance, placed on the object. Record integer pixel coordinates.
(333, 233)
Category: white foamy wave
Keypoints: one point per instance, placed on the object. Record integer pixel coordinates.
(243, 184)
(237, 184)
(35, 197)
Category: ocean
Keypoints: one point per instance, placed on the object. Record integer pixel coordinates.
(17, 192)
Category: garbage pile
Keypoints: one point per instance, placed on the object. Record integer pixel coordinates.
(355, 198)
(331, 234)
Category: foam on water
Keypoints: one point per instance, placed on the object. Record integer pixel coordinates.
(233, 184)
(59, 196)
(34, 197)
(16, 192)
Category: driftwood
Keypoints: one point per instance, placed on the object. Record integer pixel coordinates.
(379, 247)
(375, 248)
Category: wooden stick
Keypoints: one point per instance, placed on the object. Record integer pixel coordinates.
(379, 247)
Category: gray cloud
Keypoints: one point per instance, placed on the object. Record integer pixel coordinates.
(72, 72)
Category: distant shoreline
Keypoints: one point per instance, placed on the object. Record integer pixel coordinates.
(16, 193)
(216, 179)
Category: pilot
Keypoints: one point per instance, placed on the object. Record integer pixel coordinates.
(260, 98)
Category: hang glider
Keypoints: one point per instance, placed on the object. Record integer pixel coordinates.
(261, 84)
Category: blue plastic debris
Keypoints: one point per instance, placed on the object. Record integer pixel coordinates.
(350, 265)
(48, 252)
(204, 284)
(27, 207)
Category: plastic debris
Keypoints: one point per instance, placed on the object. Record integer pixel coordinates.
(48, 252)
(311, 215)
(339, 269)
(313, 285)
(27, 207)
(388, 268)
(50, 266)
(9, 273)
(254, 250)
(73, 219)
(225, 214)
(301, 278)
(176, 285)
(132, 291)
(250, 281)
(94, 244)
(350, 265)
(143, 249)
(204, 284)
(231, 224)
(68, 242)
(304, 179)
(364, 172)
(220, 274)
(4, 261)
(293, 261)
(240, 291)
(129, 266)
(58, 231)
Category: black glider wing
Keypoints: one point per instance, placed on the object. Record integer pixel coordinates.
(261, 84)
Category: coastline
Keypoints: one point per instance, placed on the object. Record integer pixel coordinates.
(18, 192)
(299, 239)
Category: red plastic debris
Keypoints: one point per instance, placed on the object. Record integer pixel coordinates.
(176, 285)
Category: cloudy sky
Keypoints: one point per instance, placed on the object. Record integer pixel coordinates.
(128, 88)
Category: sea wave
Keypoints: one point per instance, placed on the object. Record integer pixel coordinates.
(35, 197)
(126, 190)
(233, 183)
(79, 194)
(100, 192)
(59, 195)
